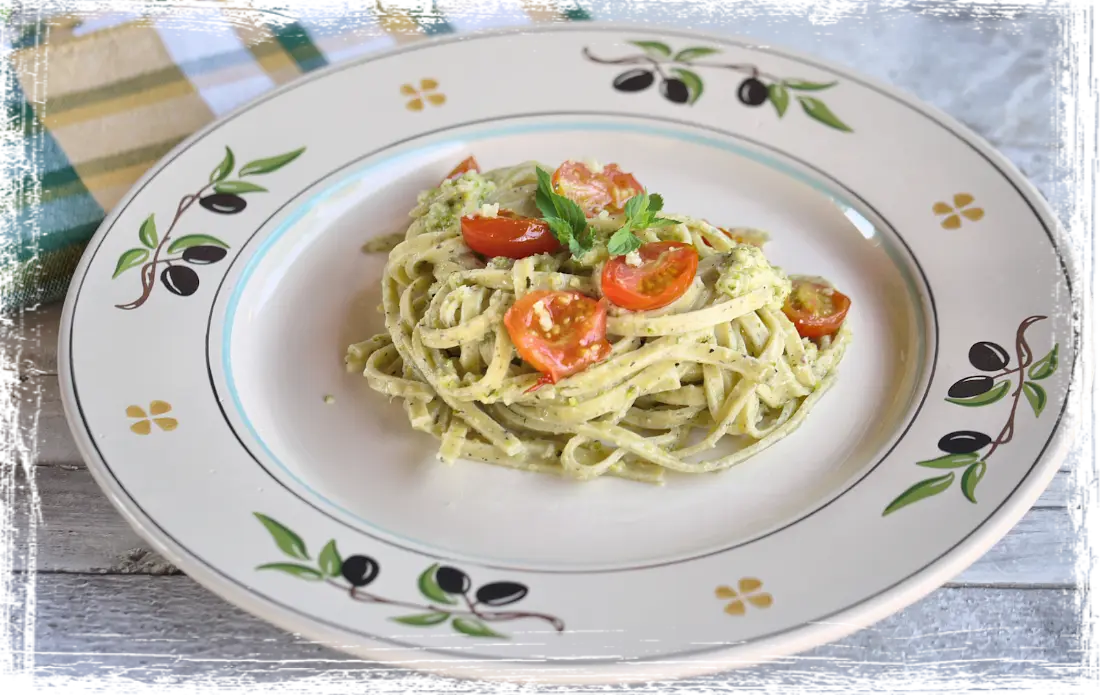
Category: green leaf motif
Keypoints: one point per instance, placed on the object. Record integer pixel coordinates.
(130, 259)
(689, 54)
(225, 168)
(428, 586)
(1036, 396)
(655, 49)
(971, 478)
(329, 560)
(991, 396)
(473, 628)
(238, 187)
(270, 164)
(779, 97)
(299, 571)
(922, 490)
(804, 86)
(288, 541)
(816, 109)
(186, 242)
(422, 619)
(1044, 367)
(950, 461)
(693, 82)
(148, 232)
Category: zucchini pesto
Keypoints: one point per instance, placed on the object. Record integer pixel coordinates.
(564, 323)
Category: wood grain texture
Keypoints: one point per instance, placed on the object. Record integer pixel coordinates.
(82, 532)
(44, 422)
(169, 629)
(31, 340)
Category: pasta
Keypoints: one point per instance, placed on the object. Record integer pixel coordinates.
(721, 363)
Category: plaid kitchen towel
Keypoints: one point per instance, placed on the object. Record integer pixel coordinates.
(94, 102)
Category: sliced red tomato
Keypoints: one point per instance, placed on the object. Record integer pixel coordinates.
(595, 191)
(558, 332)
(815, 308)
(666, 272)
(508, 235)
(468, 164)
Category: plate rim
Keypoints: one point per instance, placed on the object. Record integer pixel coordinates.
(796, 639)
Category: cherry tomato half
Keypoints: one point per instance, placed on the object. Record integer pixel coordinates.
(508, 235)
(666, 272)
(468, 164)
(815, 308)
(558, 332)
(595, 191)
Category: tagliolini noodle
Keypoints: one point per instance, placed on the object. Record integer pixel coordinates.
(721, 361)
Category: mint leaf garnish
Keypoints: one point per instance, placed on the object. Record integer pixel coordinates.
(623, 241)
(641, 213)
(565, 217)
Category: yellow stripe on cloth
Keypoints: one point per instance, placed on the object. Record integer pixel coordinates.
(265, 48)
(399, 24)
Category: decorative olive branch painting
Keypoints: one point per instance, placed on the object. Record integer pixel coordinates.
(961, 448)
(449, 592)
(681, 84)
(220, 195)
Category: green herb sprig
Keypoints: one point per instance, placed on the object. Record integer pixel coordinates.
(641, 213)
(565, 217)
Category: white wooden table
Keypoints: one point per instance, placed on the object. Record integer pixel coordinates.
(110, 611)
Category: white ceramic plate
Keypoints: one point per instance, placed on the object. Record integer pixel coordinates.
(196, 389)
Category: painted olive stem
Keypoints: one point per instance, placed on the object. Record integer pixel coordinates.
(472, 607)
(636, 60)
(148, 277)
(746, 68)
(1024, 358)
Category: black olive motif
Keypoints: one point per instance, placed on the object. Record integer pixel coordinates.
(634, 80)
(501, 593)
(970, 386)
(223, 203)
(675, 90)
(451, 580)
(359, 570)
(988, 357)
(963, 442)
(203, 255)
(752, 92)
(180, 280)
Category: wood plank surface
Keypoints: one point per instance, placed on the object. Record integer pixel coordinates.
(164, 630)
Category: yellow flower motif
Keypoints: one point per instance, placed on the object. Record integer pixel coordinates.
(144, 424)
(748, 589)
(427, 92)
(962, 206)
